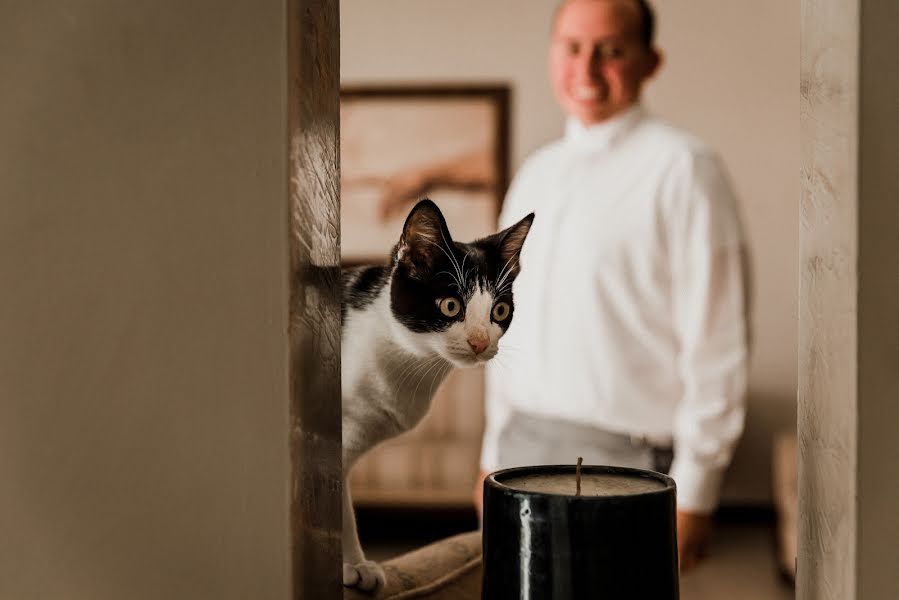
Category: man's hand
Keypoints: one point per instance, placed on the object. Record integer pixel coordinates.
(478, 495)
(693, 531)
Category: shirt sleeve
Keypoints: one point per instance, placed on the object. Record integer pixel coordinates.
(710, 296)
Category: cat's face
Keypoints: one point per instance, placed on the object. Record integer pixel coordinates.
(452, 298)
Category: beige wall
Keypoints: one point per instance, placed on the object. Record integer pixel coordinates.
(849, 328)
(731, 76)
(878, 318)
(828, 424)
(143, 386)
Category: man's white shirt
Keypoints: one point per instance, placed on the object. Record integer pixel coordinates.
(630, 309)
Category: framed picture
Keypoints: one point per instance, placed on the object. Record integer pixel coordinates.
(401, 144)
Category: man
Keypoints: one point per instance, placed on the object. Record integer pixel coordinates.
(630, 338)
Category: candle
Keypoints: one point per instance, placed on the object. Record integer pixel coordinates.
(592, 484)
(615, 539)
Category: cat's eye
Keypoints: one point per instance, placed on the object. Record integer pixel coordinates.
(501, 311)
(450, 307)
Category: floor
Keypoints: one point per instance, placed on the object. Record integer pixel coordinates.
(740, 565)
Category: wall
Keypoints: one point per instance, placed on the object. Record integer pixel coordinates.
(878, 319)
(731, 76)
(849, 328)
(313, 134)
(828, 372)
(143, 313)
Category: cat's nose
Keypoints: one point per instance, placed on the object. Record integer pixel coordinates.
(478, 343)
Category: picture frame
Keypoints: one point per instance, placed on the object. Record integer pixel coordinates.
(403, 143)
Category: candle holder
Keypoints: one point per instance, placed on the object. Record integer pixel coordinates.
(616, 540)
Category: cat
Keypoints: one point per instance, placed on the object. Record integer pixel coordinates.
(436, 305)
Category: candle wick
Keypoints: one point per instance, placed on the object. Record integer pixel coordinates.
(580, 459)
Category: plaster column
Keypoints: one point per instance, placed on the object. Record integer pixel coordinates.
(849, 328)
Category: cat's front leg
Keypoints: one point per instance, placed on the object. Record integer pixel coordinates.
(365, 575)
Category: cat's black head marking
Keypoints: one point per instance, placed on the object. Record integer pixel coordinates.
(429, 266)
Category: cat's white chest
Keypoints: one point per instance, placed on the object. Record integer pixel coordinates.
(386, 388)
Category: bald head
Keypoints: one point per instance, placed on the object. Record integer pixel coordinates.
(644, 17)
(600, 56)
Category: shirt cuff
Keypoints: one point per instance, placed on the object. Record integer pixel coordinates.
(698, 488)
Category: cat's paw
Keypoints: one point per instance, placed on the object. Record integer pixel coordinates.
(366, 576)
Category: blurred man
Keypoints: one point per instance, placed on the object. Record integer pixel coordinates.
(630, 340)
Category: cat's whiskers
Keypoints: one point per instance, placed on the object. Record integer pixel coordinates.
(425, 374)
(448, 366)
(505, 354)
(506, 347)
(505, 266)
(462, 268)
(406, 360)
(416, 366)
(502, 363)
(465, 273)
(419, 368)
(413, 366)
(458, 276)
(503, 290)
(455, 282)
(404, 368)
(504, 274)
(453, 257)
(447, 252)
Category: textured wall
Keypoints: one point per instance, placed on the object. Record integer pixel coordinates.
(143, 312)
(849, 384)
(827, 348)
(313, 134)
(730, 76)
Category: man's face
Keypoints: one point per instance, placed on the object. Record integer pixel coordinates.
(597, 60)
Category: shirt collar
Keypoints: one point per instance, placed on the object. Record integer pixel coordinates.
(604, 134)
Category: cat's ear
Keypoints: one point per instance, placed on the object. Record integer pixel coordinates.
(511, 240)
(425, 238)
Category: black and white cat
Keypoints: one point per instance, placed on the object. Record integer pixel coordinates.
(438, 304)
